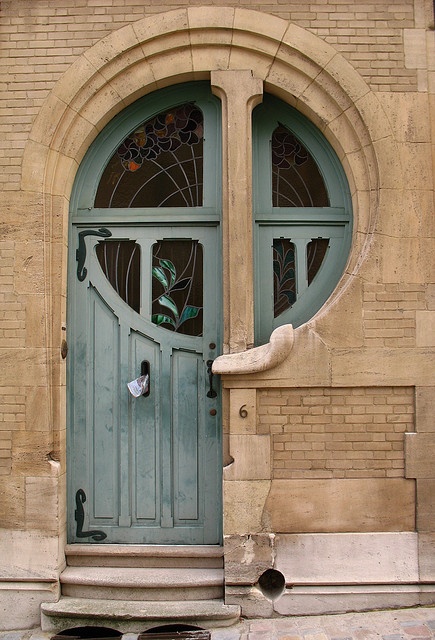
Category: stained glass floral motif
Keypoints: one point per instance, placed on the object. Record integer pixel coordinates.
(284, 275)
(285, 289)
(120, 262)
(158, 165)
(177, 286)
(296, 179)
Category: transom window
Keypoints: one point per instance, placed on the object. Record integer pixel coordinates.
(302, 221)
(159, 164)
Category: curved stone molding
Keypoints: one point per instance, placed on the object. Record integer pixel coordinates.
(189, 44)
(258, 359)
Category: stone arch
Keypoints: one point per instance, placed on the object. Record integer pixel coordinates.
(188, 44)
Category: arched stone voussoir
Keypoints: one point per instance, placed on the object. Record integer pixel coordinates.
(166, 48)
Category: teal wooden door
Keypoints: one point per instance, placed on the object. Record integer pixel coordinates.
(145, 298)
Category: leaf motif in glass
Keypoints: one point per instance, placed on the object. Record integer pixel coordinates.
(284, 275)
(296, 179)
(160, 164)
(177, 286)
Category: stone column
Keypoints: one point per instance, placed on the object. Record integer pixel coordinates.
(239, 92)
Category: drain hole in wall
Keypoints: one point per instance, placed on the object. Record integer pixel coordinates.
(271, 584)
(174, 631)
(88, 633)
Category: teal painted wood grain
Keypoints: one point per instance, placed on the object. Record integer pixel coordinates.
(151, 467)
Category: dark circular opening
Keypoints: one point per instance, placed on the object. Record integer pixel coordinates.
(85, 633)
(271, 584)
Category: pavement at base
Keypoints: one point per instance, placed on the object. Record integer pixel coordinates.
(396, 624)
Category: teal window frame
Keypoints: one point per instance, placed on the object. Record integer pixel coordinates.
(296, 223)
(122, 125)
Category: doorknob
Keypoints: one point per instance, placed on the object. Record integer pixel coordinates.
(211, 393)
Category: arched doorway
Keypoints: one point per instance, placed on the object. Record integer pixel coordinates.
(145, 300)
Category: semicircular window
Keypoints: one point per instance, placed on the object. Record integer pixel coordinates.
(296, 179)
(159, 164)
(303, 219)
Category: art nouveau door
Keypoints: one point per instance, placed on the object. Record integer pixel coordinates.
(146, 469)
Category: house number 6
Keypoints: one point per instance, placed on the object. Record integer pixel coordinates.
(242, 411)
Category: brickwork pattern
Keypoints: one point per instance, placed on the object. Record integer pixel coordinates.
(12, 334)
(42, 38)
(389, 313)
(337, 433)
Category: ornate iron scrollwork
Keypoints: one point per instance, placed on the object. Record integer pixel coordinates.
(79, 516)
(81, 251)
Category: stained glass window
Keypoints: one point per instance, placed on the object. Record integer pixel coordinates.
(160, 164)
(316, 252)
(177, 286)
(289, 280)
(284, 275)
(296, 179)
(120, 262)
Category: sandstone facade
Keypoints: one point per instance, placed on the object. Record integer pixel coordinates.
(328, 449)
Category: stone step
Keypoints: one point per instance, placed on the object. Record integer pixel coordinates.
(112, 555)
(133, 583)
(135, 617)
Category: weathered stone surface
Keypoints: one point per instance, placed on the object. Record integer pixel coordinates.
(311, 601)
(12, 504)
(419, 455)
(42, 505)
(31, 555)
(347, 558)
(425, 409)
(426, 556)
(391, 366)
(326, 506)
(348, 304)
(426, 505)
(253, 603)
(247, 557)
(244, 502)
(380, 119)
(425, 328)
(251, 456)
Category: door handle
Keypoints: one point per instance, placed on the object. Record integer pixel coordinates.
(141, 386)
(145, 371)
(211, 393)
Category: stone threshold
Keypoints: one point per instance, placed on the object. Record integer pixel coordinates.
(151, 550)
(135, 617)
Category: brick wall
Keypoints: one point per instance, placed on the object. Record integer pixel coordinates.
(42, 38)
(12, 334)
(389, 317)
(337, 433)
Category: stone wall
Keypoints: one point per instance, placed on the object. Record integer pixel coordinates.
(339, 437)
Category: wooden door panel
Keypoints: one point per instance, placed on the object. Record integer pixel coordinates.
(145, 433)
(188, 387)
(103, 453)
(150, 466)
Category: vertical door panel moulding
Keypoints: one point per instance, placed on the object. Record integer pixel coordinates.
(239, 92)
